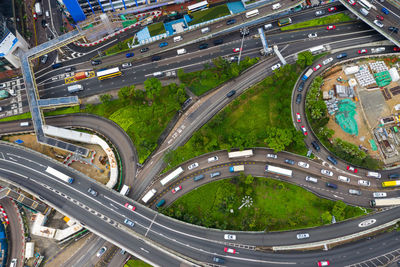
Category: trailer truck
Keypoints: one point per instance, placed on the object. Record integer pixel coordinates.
(237, 168)
(59, 175)
(149, 195)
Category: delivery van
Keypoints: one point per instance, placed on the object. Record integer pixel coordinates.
(181, 51)
(75, 88)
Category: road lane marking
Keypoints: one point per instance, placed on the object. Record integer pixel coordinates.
(148, 229)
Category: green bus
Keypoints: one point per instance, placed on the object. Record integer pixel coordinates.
(284, 21)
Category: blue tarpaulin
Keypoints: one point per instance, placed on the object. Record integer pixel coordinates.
(19, 141)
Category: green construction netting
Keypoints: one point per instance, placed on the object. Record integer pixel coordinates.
(373, 145)
(3, 94)
(382, 78)
(87, 26)
(128, 23)
(345, 116)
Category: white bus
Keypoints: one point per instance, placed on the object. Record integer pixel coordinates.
(60, 175)
(252, 13)
(240, 154)
(278, 170)
(198, 6)
(171, 176)
(125, 190)
(367, 5)
(381, 202)
(317, 49)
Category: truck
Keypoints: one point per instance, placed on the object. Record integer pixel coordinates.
(237, 168)
(307, 74)
(59, 175)
(75, 88)
(149, 195)
(125, 190)
(38, 9)
(81, 75)
(278, 170)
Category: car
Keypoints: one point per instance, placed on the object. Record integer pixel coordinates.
(101, 251)
(385, 11)
(272, 156)
(144, 49)
(304, 130)
(233, 59)
(218, 41)
(193, 166)
(203, 46)
(128, 55)
(231, 93)
(319, 13)
(218, 260)
(230, 250)
(313, 35)
(215, 174)
(176, 189)
(352, 2)
(332, 160)
(378, 23)
(362, 51)
(231, 21)
(92, 192)
(44, 23)
(303, 236)
(317, 67)
(344, 179)
(355, 192)
(379, 194)
(298, 117)
(289, 161)
(229, 237)
(327, 172)
(393, 29)
(331, 9)
(69, 69)
(35, 16)
(2, 85)
(276, 66)
(323, 263)
(327, 61)
(212, 159)
(331, 185)
(351, 169)
(298, 98)
(303, 165)
(129, 222)
(394, 176)
(237, 50)
(129, 206)
(331, 27)
(396, 49)
(301, 86)
(311, 179)
(126, 65)
(341, 55)
(379, 17)
(155, 58)
(364, 182)
(163, 44)
(95, 62)
(315, 145)
(44, 58)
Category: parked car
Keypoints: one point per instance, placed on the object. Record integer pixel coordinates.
(176, 189)
(129, 206)
(101, 251)
(326, 172)
(193, 166)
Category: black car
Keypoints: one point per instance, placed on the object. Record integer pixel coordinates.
(231, 21)
(218, 41)
(156, 58)
(144, 49)
(315, 145)
(231, 93)
(301, 86)
(394, 176)
(96, 62)
(298, 99)
(218, 260)
(332, 159)
(203, 46)
(331, 185)
(289, 161)
(393, 29)
(69, 69)
(44, 22)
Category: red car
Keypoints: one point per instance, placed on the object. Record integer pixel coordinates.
(363, 51)
(396, 49)
(331, 9)
(129, 206)
(34, 16)
(230, 250)
(236, 50)
(304, 130)
(352, 2)
(331, 27)
(298, 118)
(379, 17)
(176, 189)
(317, 67)
(323, 263)
(352, 169)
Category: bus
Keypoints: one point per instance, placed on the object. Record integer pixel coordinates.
(171, 176)
(60, 175)
(365, 4)
(110, 73)
(278, 170)
(391, 183)
(198, 6)
(252, 13)
(240, 154)
(317, 49)
(125, 190)
(380, 202)
(285, 21)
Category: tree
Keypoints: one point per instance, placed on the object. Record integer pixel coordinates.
(338, 210)
(126, 93)
(277, 138)
(249, 179)
(105, 99)
(304, 59)
(326, 217)
(153, 87)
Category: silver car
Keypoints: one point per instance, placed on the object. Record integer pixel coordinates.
(303, 236)
(326, 172)
(354, 192)
(364, 183)
(229, 237)
(379, 194)
(192, 166)
(272, 156)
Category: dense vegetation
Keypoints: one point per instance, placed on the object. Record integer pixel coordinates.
(331, 19)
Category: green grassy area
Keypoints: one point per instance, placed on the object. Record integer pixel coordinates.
(276, 206)
(335, 18)
(209, 14)
(136, 263)
(156, 28)
(249, 121)
(202, 81)
(120, 47)
(27, 115)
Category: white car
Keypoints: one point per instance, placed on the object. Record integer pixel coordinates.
(344, 179)
(277, 66)
(326, 172)
(229, 237)
(303, 236)
(364, 183)
(311, 179)
(379, 194)
(101, 251)
(193, 166)
(303, 165)
(272, 156)
(212, 159)
(313, 35)
(327, 61)
(354, 192)
(378, 23)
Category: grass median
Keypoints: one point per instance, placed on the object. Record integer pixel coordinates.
(335, 18)
(209, 14)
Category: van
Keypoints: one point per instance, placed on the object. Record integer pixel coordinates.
(332, 160)
(311, 179)
(198, 177)
(181, 51)
(384, 10)
(177, 39)
(56, 66)
(24, 124)
(376, 175)
(364, 11)
(267, 26)
(343, 179)
(75, 88)
(160, 203)
(205, 30)
(276, 6)
(158, 74)
(331, 185)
